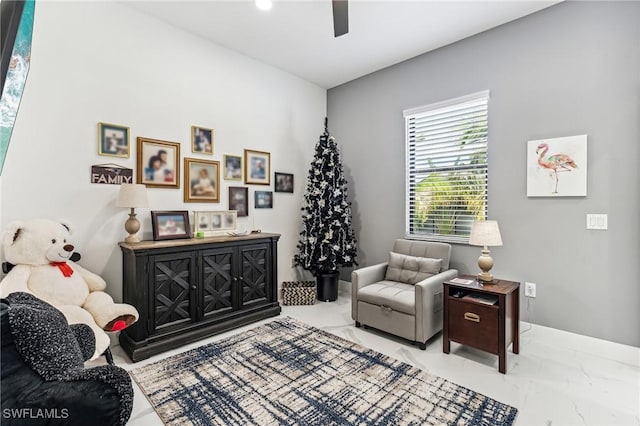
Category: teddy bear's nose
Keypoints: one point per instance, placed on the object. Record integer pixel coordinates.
(68, 247)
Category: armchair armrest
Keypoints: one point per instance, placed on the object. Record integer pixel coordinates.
(363, 277)
(429, 304)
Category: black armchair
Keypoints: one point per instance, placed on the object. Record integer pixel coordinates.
(43, 378)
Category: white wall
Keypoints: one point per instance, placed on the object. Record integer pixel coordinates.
(102, 61)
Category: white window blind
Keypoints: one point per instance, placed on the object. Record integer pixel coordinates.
(446, 166)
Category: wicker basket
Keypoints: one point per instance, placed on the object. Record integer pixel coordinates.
(298, 293)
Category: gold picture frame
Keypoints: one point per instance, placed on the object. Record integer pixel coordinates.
(158, 163)
(201, 140)
(257, 167)
(201, 181)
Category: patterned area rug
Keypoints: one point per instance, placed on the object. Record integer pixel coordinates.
(289, 373)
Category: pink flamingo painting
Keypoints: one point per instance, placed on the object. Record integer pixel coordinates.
(554, 163)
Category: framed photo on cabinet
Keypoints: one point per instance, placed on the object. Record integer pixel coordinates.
(170, 225)
(212, 222)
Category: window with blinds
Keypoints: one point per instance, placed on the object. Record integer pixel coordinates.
(446, 168)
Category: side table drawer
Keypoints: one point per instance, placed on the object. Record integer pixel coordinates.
(474, 325)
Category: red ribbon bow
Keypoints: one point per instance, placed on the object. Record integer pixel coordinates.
(64, 268)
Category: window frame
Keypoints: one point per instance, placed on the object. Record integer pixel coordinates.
(412, 113)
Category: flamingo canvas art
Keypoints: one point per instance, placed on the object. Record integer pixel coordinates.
(557, 167)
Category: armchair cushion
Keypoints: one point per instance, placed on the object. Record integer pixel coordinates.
(410, 269)
(391, 294)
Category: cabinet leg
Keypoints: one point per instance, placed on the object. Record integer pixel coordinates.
(516, 322)
(446, 345)
(358, 324)
(502, 364)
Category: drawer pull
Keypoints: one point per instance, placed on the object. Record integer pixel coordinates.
(470, 316)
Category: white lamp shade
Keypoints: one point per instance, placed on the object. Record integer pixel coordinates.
(132, 195)
(485, 233)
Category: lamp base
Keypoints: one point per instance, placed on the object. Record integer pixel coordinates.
(485, 277)
(132, 239)
(132, 226)
(485, 262)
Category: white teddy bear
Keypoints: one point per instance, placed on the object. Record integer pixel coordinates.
(40, 250)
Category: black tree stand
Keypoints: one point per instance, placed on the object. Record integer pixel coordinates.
(327, 286)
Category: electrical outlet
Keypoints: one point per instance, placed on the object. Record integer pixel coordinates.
(530, 289)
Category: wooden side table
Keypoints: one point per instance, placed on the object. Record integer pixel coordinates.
(489, 327)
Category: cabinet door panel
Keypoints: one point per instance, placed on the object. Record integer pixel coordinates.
(255, 281)
(172, 298)
(217, 280)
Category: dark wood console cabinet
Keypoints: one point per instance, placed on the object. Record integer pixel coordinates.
(186, 290)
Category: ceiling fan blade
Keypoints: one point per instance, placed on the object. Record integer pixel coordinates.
(340, 17)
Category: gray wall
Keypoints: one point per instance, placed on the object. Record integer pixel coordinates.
(570, 69)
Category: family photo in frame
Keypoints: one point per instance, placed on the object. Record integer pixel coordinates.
(201, 140)
(263, 200)
(232, 167)
(170, 225)
(113, 140)
(158, 163)
(257, 167)
(201, 181)
(239, 200)
(284, 182)
(212, 222)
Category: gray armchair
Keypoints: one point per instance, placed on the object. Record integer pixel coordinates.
(403, 296)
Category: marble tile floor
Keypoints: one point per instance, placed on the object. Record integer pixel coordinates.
(559, 378)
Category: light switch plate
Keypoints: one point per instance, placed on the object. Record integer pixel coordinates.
(597, 221)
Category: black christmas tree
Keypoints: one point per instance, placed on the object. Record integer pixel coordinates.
(327, 241)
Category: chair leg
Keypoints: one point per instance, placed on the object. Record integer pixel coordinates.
(422, 345)
(109, 356)
(358, 325)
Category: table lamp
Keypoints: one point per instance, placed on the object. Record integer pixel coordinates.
(485, 233)
(132, 195)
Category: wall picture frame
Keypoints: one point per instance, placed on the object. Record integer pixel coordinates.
(283, 182)
(201, 181)
(215, 222)
(232, 167)
(158, 163)
(557, 167)
(257, 167)
(239, 200)
(263, 200)
(201, 140)
(170, 225)
(113, 140)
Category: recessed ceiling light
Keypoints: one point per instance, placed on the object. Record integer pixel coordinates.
(263, 4)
